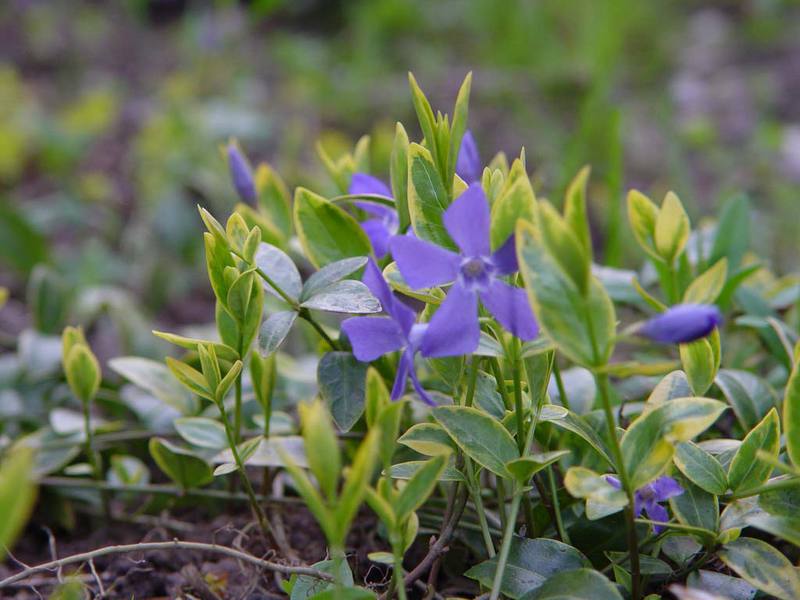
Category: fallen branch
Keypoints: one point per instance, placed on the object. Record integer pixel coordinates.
(173, 545)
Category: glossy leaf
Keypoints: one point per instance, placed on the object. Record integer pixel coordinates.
(184, 468)
(17, 495)
(747, 470)
(763, 566)
(701, 468)
(345, 296)
(274, 330)
(342, 383)
(330, 274)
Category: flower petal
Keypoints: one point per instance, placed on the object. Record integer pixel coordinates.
(418, 387)
(402, 314)
(682, 323)
(372, 337)
(468, 163)
(423, 264)
(361, 183)
(505, 258)
(467, 221)
(511, 308)
(404, 367)
(241, 174)
(665, 487)
(454, 329)
(378, 235)
(656, 512)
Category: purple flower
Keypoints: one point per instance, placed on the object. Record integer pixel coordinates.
(468, 163)
(372, 337)
(648, 496)
(241, 173)
(682, 323)
(475, 271)
(385, 222)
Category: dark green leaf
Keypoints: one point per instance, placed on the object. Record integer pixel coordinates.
(342, 383)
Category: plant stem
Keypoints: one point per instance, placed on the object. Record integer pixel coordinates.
(397, 574)
(263, 523)
(237, 404)
(93, 458)
(306, 316)
(562, 391)
(54, 565)
(508, 534)
(630, 518)
(338, 556)
(562, 532)
(475, 492)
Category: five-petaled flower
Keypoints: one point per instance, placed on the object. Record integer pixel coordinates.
(372, 337)
(468, 163)
(384, 222)
(682, 323)
(648, 496)
(241, 173)
(475, 272)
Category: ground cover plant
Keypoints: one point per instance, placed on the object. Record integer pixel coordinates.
(429, 372)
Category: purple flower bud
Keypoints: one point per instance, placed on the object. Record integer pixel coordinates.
(241, 174)
(682, 323)
(468, 162)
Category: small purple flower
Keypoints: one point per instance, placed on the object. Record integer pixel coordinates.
(241, 173)
(385, 222)
(476, 272)
(468, 163)
(648, 496)
(682, 323)
(372, 337)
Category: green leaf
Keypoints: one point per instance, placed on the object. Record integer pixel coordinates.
(17, 495)
(428, 439)
(647, 445)
(487, 397)
(322, 447)
(330, 274)
(376, 397)
(783, 502)
(516, 202)
(481, 437)
(561, 308)
(459, 125)
(23, 246)
(419, 487)
(47, 298)
(427, 198)
(747, 470)
(699, 364)
(522, 469)
(791, 416)
(575, 210)
(750, 396)
(672, 229)
(202, 432)
(273, 198)
(346, 296)
(642, 214)
(277, 265)
(406, 470)
(578, 425)
(184, 468)
(531, 562)
(274, 330)
(348, 593)
(389, 425)
(707, 288)
(342, 382)
(732, 236)
(155, 378)
(326, 232)
(695, 507)
(422, 107)
(576, 584)
(222, 351)
(355, 484)
(585, 483)
(398, 175)
(263, 374)
(564, 246)
(191, 378)
(785, 528)
(763, 566)
(701, 468)
(83, 372)
(305, 586)
(721, 586)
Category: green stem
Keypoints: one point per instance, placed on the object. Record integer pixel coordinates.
(781, 484)
(263, 522)
(473, 378)
(562, 532)
(562, 391)
(93, 458)
(501, 382)
(398, 575)
(508, 534)
(306, 316)
(477, 499)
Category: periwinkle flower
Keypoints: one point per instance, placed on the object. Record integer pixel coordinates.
(241, 173)
(468, 163)
(385, 221)
(648, 496)
(682, 323)
(372, 337)
(476, 272)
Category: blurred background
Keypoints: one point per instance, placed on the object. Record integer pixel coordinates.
(111, 115)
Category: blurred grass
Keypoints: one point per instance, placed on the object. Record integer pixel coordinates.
(110, 115)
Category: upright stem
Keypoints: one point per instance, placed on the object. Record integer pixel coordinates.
(562, 391)
(92, 457)
(261, 517)
(398, 576)
(562, 532)
(508, 534)
(306, 315)
(630, 517)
